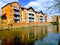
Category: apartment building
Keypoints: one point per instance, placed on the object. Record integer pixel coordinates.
(14, 13)
(42, 17)
(59, 19)
(11, 12)
(28, 15)
(49, 18)
(55, 18)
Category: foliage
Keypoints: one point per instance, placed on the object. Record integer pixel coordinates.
(10, 25)
(55, 23)
(17, 39)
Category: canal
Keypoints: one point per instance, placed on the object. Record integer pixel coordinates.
(33, 35)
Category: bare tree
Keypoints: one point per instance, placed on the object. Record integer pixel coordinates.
(55, 6)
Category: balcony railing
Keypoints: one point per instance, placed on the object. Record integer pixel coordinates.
(16, 20)
(17, 13)
(16, 17)
(31, 20)
(40, 20)
(31, 16)
(16, 8)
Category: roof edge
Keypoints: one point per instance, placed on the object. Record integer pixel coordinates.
(9, 3)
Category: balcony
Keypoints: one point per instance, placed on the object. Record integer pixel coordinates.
(16, 8)
(31, 16)
(40, 20)
(31, 20)
(16, 17)
(16, 20)
(16, 13)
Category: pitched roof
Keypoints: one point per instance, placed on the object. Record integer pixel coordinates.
(9, 4)
(41, 12)
(30, 8)
(22, 7)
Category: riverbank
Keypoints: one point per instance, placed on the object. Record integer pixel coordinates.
(21, 25)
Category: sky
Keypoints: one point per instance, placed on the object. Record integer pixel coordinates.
(37, 5)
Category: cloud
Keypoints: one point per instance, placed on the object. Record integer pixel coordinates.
(7, 1)
(36, 5)
(4, 2)
(41, 5)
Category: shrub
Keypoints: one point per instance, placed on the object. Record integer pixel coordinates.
(55, 23)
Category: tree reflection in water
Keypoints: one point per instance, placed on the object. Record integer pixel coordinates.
(37, 35)
(52, 38)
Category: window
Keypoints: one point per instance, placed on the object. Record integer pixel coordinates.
(16, 15)
(16, 20)
(41, 16)
(31, 14)
(4, 16)
(10, 10)
(41, 19)
(31, 18)
(11, 16)
(21, 18)
(11, 5)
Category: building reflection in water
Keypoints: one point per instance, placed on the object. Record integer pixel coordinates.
(51, 29)
(52, 38)
(38, 34)
(59, 28)
(34, 33)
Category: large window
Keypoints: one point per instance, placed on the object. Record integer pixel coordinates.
(4, 16)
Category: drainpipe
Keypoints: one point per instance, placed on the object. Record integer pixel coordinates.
(1, 18)
(57, 25)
